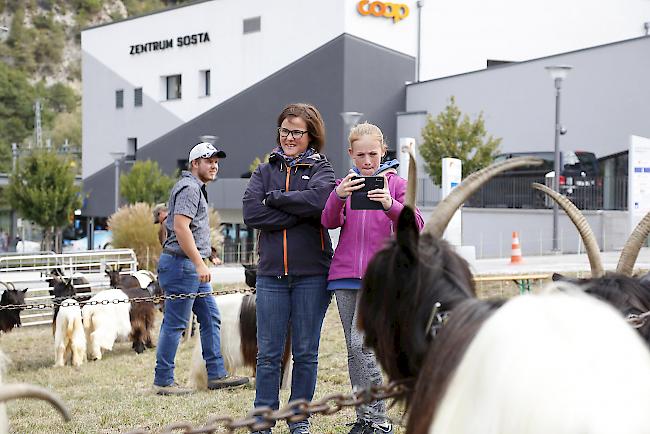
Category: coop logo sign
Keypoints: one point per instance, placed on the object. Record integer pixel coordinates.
(396, 11)
(179, 41)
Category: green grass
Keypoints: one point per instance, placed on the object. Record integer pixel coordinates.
(114, 394)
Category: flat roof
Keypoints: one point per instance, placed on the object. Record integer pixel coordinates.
(516, 63)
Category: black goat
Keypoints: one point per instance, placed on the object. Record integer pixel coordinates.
(10, 318)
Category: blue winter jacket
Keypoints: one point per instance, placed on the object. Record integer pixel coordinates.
(285, 204)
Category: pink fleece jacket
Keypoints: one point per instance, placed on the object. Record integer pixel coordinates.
(363, 232)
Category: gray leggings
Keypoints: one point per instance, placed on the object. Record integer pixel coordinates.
(362, 364)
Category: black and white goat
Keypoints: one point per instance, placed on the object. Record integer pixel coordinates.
(67, 326)
(556, 362)
(238, 337)
(629, 295)
(418, 311)
(138, 284)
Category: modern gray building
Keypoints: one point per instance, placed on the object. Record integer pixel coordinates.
(335, 77)
(603, 102)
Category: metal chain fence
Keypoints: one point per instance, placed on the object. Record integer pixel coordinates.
(264, 418)
(153, 298)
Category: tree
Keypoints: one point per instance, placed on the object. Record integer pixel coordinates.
(256, 162)
(145, 183)
(450, 136)
(42, 190)
(16, 106)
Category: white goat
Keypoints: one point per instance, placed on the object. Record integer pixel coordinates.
(69, 336)
(106, 323)
(237, 313)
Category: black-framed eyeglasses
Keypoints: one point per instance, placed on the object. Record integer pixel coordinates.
(296, 134)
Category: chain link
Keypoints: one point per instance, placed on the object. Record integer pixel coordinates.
(153, 298)
(264, 418)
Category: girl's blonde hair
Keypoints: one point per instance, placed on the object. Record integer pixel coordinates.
(366, 129)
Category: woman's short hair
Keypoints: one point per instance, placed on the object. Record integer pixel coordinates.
(367, 129)
(312, 118)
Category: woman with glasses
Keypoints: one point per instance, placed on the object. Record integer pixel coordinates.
(284, 200)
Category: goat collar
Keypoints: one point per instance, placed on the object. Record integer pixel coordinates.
(437, 320)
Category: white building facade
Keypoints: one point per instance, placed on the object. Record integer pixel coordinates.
(144, 76)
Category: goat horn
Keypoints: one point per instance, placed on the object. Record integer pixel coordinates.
(5, 285)
(9, 392)
(412, 184)
(11, 284)
(445, 210)
(581, 223)
(633, 245)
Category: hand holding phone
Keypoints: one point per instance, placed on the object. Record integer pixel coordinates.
(348, 185)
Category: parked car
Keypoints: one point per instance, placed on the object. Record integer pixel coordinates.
(101, 240)
(25, 246)
(579, 179)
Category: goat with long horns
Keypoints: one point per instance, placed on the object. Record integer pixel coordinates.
(419, 312)
(629, 295)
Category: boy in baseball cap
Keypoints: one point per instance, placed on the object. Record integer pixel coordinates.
(205, 150)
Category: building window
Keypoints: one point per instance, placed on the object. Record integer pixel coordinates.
(252, 25)
(182, 164)
(131, 148)
(119, 98)
(204, 83)
(137, 97)
(173, 86)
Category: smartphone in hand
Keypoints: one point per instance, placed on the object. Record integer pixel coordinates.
(359, 198)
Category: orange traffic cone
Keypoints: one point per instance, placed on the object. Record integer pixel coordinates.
(515, 257)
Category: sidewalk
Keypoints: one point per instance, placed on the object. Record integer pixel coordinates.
(555, 263)
(571, 263)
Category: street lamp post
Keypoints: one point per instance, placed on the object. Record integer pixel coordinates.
(418, 58)
(350, 119)
(558, 73)
(117, 156)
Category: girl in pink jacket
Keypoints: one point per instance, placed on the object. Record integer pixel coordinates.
(363, 233)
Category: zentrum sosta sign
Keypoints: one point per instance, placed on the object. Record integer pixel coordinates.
(396, 11)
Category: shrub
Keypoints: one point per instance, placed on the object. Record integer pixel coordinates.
(133, 228)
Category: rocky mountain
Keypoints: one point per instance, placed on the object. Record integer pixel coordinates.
(40, 59)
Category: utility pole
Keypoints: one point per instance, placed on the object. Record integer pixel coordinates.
(38, 131)
(418, 57)
(13, 226)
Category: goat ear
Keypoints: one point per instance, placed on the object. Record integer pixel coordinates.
(23, 290)
(407, 231)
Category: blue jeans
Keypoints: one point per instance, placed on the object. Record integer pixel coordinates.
(301, 301)
(177, 275)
